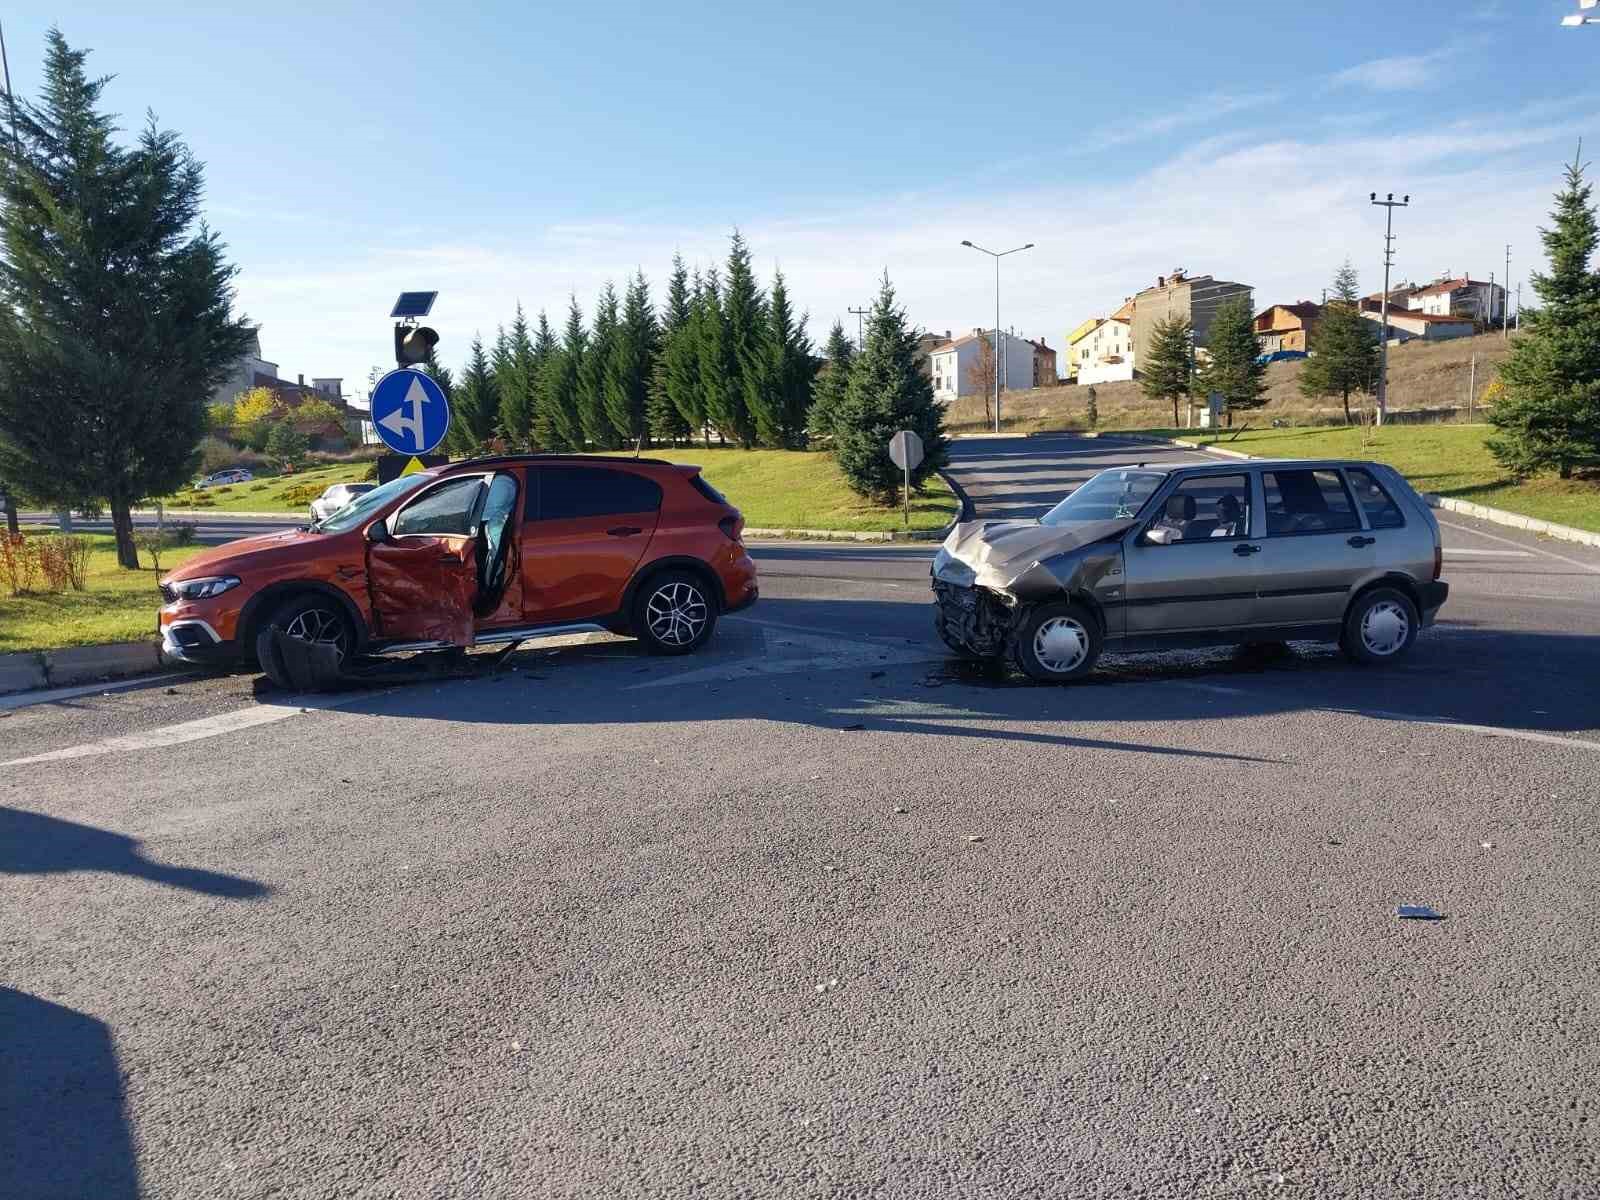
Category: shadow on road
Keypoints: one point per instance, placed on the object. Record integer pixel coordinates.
(63, 1128)
(34, 844)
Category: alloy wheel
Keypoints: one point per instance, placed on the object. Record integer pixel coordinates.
(1060, 644)
(676, 613)
(1385, 627)
(321, 627)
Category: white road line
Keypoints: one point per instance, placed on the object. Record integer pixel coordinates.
(1455, 552)
(1495, 537)
(192, 731)
(1521, 735)
(53, 695)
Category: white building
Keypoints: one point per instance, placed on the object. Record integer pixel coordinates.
(1105, 354)
(1405, 324)
(952, 364)
(248, 372)
(1471, 299)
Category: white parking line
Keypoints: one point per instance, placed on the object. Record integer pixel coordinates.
(1495, 537)
(191, 731)
(1455, 552)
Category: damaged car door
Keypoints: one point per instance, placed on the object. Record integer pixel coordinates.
(422, 565)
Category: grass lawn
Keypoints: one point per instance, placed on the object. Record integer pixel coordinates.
(1451, 460)
(117, 606)
(775, 489)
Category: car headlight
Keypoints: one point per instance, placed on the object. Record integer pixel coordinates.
(204, 589)
(950, 569)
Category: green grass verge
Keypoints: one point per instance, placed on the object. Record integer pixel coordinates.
(775, 489)
(1451, 460)
(116, 606)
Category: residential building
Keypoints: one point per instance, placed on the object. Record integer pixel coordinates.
(1287, 326)
(1082, 331)
(1105, 354)
(1194, 297)
(1405, 324)
(244, 373)
(953, 364)
(927, 343)
(1044, 364)
(1462, 297)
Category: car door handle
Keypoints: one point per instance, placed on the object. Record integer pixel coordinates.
(624, 530)
(1244, 548)
(1358, 541)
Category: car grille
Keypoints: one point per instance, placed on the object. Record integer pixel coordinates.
(168, 595)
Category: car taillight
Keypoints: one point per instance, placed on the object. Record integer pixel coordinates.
(1438, 560)
(732, 526)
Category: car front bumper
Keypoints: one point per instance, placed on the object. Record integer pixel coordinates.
(971, 619)
(192, 640)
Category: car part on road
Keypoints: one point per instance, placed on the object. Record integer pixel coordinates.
(296, 664)
(1417, 912)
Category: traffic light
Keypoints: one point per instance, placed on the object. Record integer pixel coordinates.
(412, 343)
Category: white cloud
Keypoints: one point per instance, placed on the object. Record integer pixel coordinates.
(1280, 215)
(1203, 110)
(1402, 72)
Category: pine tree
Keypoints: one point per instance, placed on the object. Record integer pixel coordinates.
(556, 423)
(1093, 413)
(474, 406)
(1166, 368)
(116, 319)
(1344, 346)
(786, 369)
(1234, 367)
(1550, 414)
(666, 422)
(829, 384)
(441, 375)
(545, 347)
(720, 388)
(516, 375)
(888, 392)
(592, 416)
(632, 360)
(743, 311)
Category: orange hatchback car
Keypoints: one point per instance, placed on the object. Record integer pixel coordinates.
(486, 552)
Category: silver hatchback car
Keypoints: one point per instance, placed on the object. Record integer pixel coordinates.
(1149, 558)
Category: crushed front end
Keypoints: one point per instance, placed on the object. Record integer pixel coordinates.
(972, 620)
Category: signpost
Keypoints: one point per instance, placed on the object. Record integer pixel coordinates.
(905, 451)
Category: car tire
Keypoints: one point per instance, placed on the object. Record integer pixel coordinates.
(1380, 627)
(310, 613)
(1056, 643)
(674, 613)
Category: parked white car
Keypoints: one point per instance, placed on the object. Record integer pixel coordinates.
(336, 497)
(222, 478)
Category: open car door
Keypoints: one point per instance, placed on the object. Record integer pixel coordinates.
(422, 565)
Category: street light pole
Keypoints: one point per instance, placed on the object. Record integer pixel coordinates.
(1389, 204)
(997, 255)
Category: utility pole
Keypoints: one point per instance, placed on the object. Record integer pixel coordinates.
(1519, 307)
(1505, 309)
(997, 256)
(1389, 204)
(8, 499)
(859, 313)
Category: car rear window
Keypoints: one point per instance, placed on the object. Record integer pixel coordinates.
(705, 489)
(1382, 512)
(1307, 502)
(564, 493)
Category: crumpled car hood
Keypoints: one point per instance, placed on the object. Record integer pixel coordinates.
(998, 551)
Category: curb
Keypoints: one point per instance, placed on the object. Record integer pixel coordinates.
(1495, 516)
(32, 669)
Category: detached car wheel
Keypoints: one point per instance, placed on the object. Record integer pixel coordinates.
(1056, 643)
(674, 613)
(1380, 626)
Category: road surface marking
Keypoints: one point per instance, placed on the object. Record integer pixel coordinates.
(1495, 537)
(25, 699)
(1522, 735)
(1453, 552)
(191, 731)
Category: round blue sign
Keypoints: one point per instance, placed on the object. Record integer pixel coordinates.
(410, 412)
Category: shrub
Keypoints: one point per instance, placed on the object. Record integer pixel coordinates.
(286, 445)
(154, 542)
(19, 564)
(216, 454)
(182, 533)
(63, 561)
(302, 493)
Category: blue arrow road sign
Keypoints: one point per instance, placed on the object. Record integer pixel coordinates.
(409, 412)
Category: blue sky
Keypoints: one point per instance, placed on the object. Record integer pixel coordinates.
(513, 151)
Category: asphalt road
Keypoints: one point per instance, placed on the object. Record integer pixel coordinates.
(819, 912)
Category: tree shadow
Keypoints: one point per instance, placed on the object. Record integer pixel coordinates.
(64, 1130)
(34, 844)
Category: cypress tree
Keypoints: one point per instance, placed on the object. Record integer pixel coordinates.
(516, 375)
(1549, 416)
(743, 310)
(682, 360)
(888, 392)
(474, 406)
(1234, 367)
(666, 423)
(829, 384)
(720, 388)
(1166, 369)
(556, 423)
(1344, 346)
(593, 419)
(631, 362)
(116, 304)
(787, 370)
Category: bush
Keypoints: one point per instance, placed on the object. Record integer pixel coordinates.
(287, 445)
(154, 542)
(216, 454)
(19, 564)
(64, 561)
(182, 533)
(302, 493)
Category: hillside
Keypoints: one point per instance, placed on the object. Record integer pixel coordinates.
(1421, 375)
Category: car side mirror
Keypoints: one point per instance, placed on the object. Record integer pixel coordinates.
(378, 533)
(1159, 536)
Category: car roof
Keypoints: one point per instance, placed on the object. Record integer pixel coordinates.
(589, 459)
(1303, 463)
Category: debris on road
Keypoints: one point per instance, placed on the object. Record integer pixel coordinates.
(973, 837)
(900, 808)
(854, 728)
(1417, 912)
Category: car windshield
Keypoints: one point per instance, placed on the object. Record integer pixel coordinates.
(362, 507)
(1109, 496)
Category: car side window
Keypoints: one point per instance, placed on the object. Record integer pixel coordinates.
(568, 492)
(1202, 508)
(445, 511)
(1382, 512)
(1312, 501)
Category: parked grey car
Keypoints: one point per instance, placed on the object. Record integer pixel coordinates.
(336, 497)
(1147, 558)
